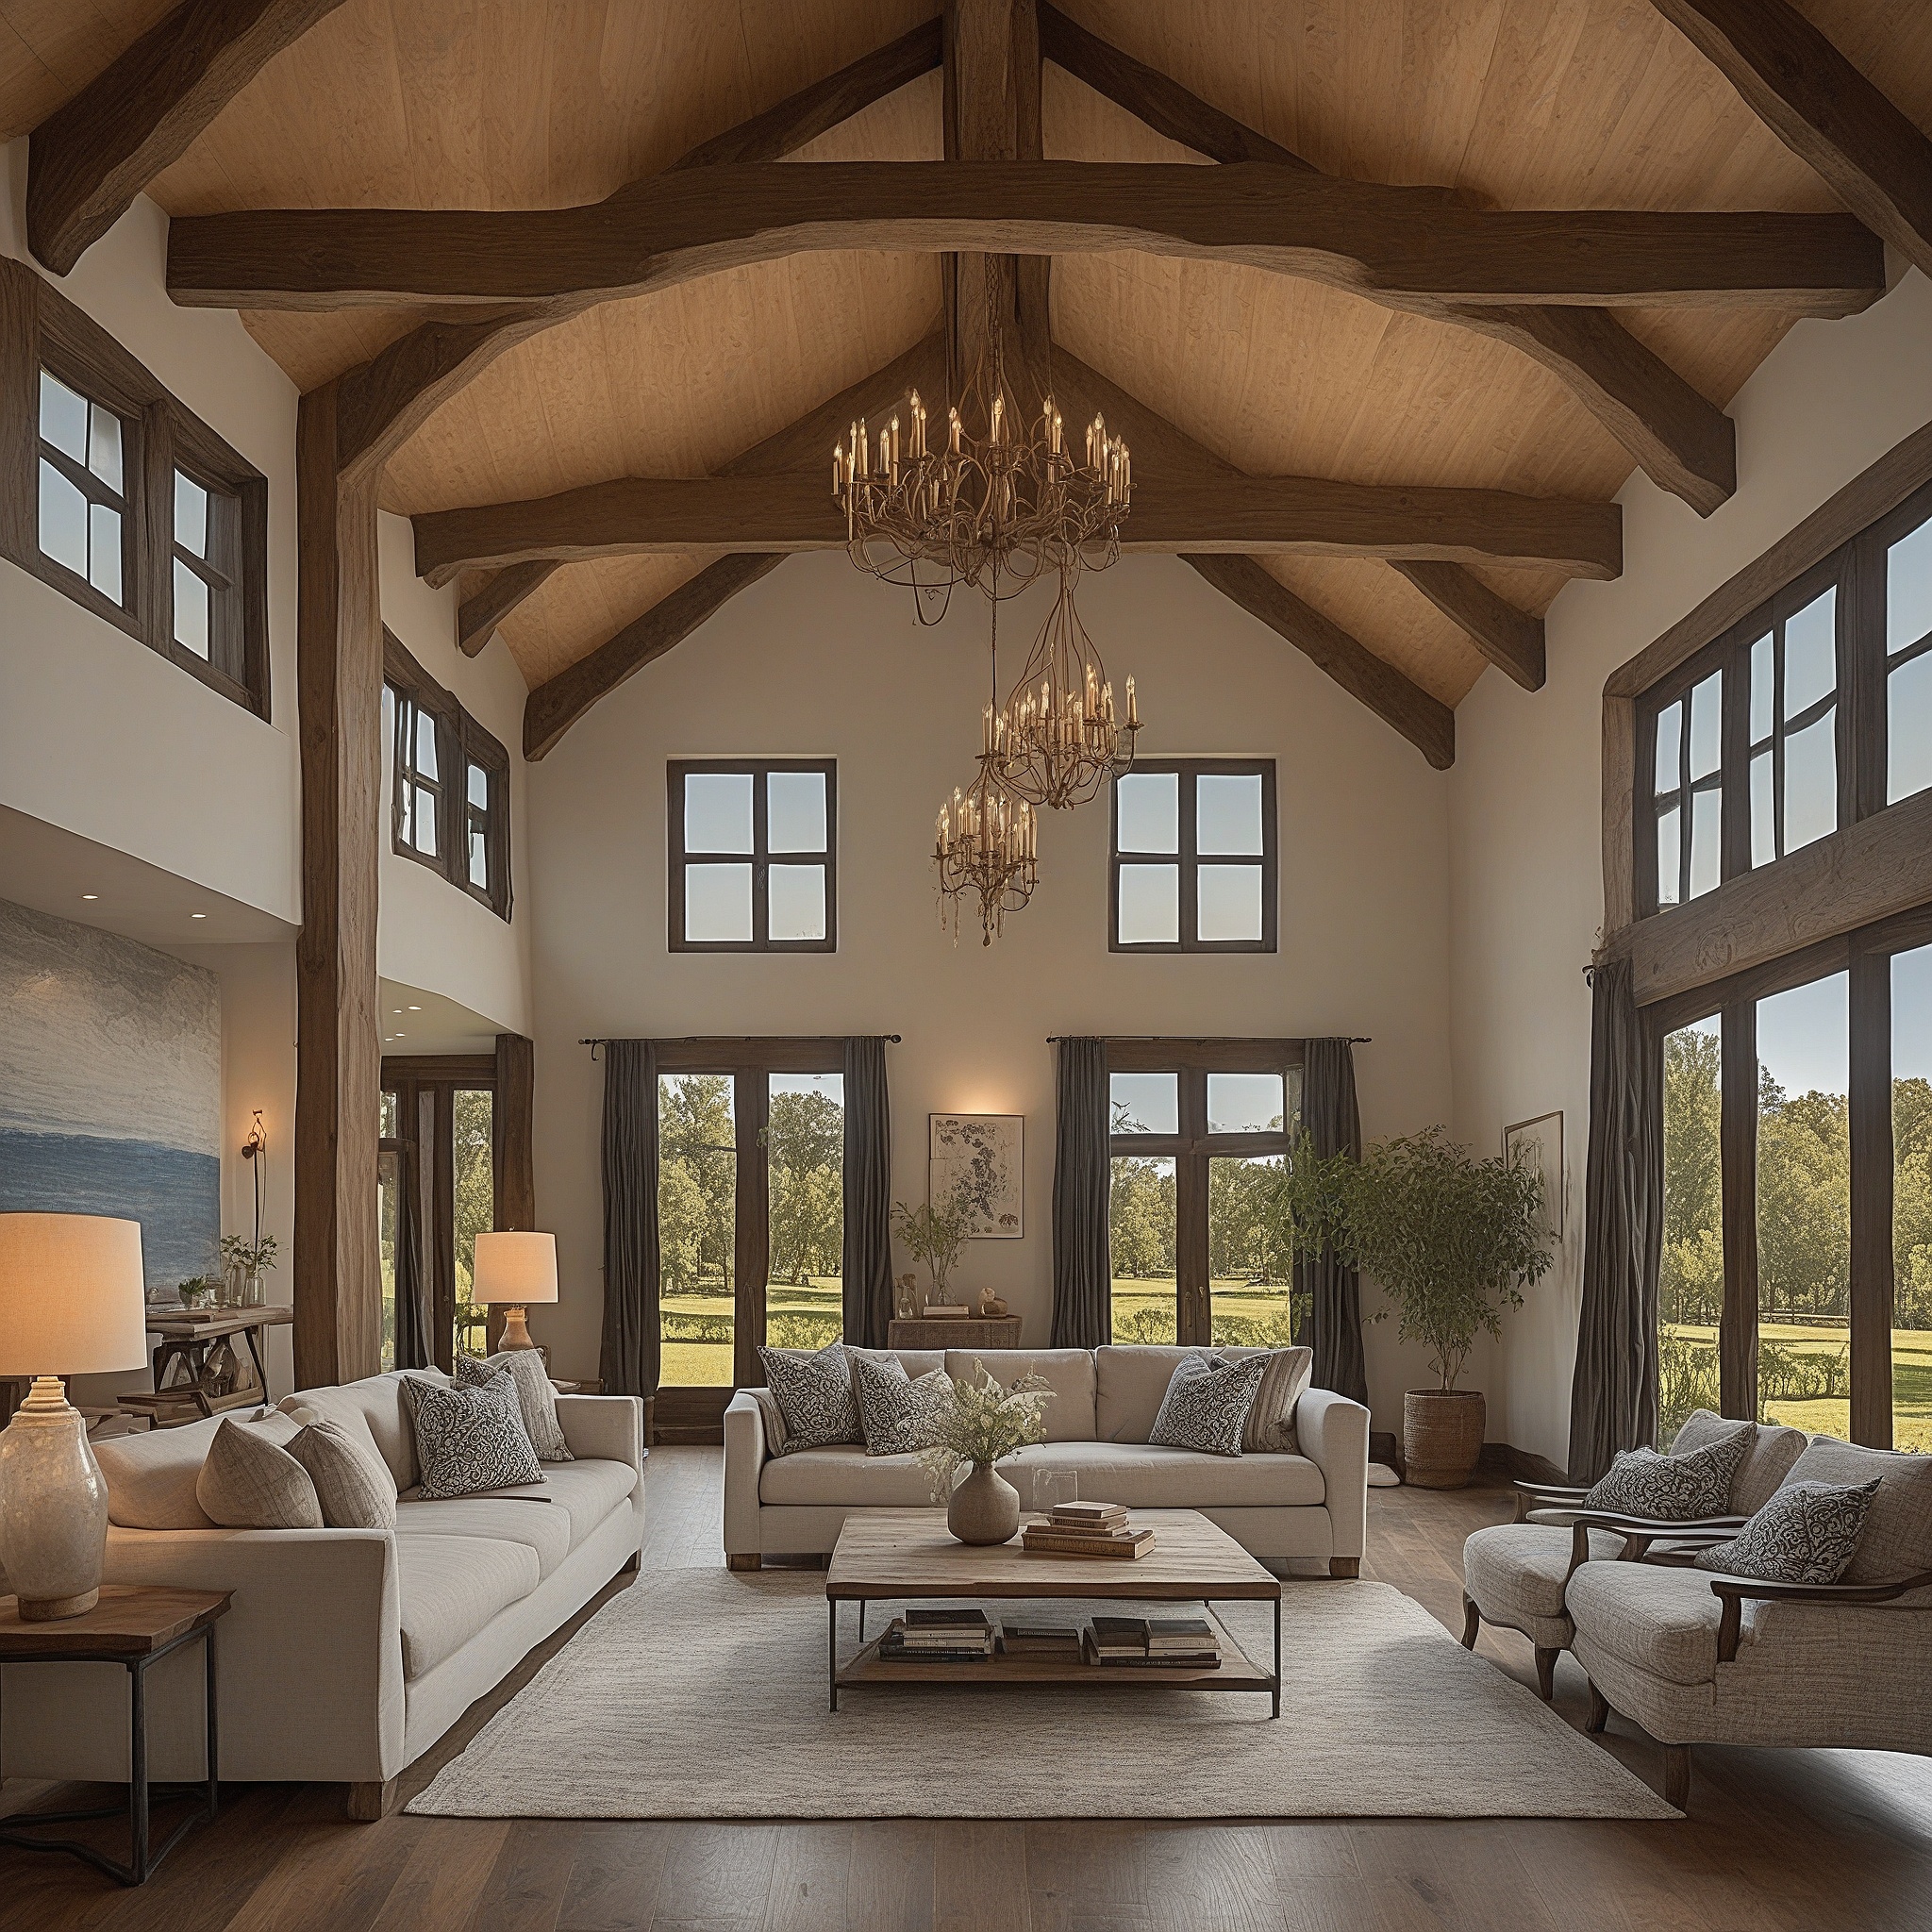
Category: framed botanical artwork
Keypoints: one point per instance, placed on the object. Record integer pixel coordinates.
(980, 1157)
(1540, 1143)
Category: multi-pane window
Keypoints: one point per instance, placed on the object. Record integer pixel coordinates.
(419, 779)
(753, 855)
(1793, 728)
(205, 576)
(1908, 664)
(1193, 860)
(83, 502)
(476, 824)
(1689, 799)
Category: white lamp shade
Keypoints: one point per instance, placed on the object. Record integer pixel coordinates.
(73, 1298)
(514, 1267)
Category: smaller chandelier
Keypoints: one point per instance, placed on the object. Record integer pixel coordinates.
(987, 843)
(1059, 735)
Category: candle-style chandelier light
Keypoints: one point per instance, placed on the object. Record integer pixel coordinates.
(987, 843)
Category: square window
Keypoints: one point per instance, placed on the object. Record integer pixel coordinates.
(1206, 812)
(1229, 903)
(1227, 813)
(796, 811)
(1147, 807)
(774, 820)
(1150, 905)
(1246, 1104)
(798, 902)
(718, 812)
(1144, 1103)
(717, 903)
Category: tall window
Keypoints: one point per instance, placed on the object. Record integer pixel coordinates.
(207, 573)
(753, 856)
(1688, 801)
(1691, 1278)
(1909, 661)
(1793, 728)
(418, 781)
(1201, 1130)
(1194, 865)
(83, 524)
(1911, 1199)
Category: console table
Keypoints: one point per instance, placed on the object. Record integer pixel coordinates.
(956, 1331)
(186, 1385)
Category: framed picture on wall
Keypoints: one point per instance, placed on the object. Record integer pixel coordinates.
(981, 1157)
(1540, 1143)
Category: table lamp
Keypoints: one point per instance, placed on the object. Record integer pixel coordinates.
(514, 1270)
(71, 1303)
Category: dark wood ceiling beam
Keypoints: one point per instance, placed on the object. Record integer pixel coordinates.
(557, 704)
(1875, 160)
(1402, 244)
(89, 159)
(501, 591)
(1510, 638)
(1427, 723)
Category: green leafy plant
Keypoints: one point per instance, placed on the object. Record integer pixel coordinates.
(256, 1258)
(986, 1422)
(193, 1290)
(934, 1234)
(1451, 1239)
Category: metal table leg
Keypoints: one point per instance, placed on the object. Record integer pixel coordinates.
(832, 1649)
(1276, 1711)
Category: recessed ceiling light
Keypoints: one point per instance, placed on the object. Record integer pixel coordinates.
(415, 1009)
(197, 915)
(90, 896)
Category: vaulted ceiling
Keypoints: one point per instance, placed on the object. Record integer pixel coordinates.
(1508, 105)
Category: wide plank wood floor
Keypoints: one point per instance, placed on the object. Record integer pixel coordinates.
(1776, 1841)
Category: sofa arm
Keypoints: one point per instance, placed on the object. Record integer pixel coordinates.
(607, 1428)
(745, 1454)
(1334, 1436)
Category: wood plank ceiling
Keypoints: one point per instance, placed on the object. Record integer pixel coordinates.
(536, 104)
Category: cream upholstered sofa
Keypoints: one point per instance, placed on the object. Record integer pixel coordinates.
(347, 1653)
(1309, 1506)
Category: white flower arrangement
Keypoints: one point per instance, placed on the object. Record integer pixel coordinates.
(986, 1422)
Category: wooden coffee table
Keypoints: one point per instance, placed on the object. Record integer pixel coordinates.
(899, 1555)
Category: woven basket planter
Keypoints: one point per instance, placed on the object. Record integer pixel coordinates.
(1442, 1436)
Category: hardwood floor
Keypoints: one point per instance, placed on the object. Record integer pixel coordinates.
(1776, 1841)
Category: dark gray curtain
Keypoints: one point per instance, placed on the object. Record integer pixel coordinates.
(1082, 1267)
(1335, 1310)
(868, 1194)
(1613, 1395)
(412, 1277)
(629, 1361)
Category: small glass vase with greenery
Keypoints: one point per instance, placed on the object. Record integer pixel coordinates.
(934, 1234)
(986, 1422)
(246, 1262)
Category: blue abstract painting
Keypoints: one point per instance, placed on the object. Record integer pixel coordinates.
(110, 1086)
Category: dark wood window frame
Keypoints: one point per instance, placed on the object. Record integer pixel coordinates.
(760, 858)
(1189, 862)
(41, 329)
(460, 742)
(1194, 1147)
(697, 1415)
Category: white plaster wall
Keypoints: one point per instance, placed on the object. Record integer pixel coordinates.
(98, 733)
(817, 660)
(1525, 795)
(428, 933)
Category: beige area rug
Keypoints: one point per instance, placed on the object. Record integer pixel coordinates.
(698, 1694)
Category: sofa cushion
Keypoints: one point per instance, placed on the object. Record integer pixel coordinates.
(1154, 1479)
(1663, 1620)
(915, 1362)
(1682, 1487)
(815, 1395)
(1897, 1540)
(843, 1476)
(540, 1525)
(1269, 1427)
(351, 1482)
(1206, 1403)
(452, 1586)
(1130, 1384)
(901, 1416)
(151, 1477)
(588, 1491)
(470, 1439)
(250, 1481)
(1069, 1416)
(374, 1404)
(1518, 1569)
(1807, 1533)
(534, 1396)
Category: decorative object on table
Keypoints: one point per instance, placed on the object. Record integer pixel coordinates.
(1060, 1640)
(979, 1159)
(1539, 1143)
(905, 1298)
(988, 1423)
(1179, 1642)
(933, 1234)
(468, 1439)
(1452, 1241)
(514, 1269)
(197, 1291)
(955, 1635)
(947, 1311)
(72, 1302)
(536, 1395)
(1206, 1403)
(1087, 1529)
(245, 1269)
(992, 1306)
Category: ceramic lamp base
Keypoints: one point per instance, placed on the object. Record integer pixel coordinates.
(516, 1333)
(53, 1507)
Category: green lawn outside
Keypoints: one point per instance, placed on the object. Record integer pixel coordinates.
(696, 1328)
(1246, 1313)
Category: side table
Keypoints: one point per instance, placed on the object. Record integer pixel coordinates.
(954, 1331)
(134, 1626)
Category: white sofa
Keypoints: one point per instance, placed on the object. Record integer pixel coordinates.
(1309, 1506)
(347, 1653)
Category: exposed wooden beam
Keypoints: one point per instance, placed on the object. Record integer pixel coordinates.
(89, 159)
(557, 704)
(483, 609)
(1285, 515)
(1510, 638)
(1404, 244)
(1877, 160)
(1427, 723)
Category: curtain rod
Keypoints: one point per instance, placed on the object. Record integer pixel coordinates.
(687, 1039)
(1190, 1039)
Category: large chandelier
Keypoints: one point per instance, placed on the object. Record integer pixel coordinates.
(987, 840)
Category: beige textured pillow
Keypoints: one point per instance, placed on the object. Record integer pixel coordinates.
(535, 1397)
(248, 1483)
(1269, 1427)
(352, 1485)
(774, 1418)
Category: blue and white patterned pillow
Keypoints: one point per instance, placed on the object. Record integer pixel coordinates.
(900, 1415)
(814, 1394)
(1206, 1403)
(1672, 1488)
(468, 1439)
(1807, 1533)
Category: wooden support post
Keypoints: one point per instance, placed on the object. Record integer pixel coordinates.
(1872, 1161)
(338, 1289)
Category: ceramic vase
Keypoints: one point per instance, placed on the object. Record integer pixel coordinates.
(53, 1507)
(985, 1509)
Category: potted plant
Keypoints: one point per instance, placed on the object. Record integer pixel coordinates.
(247, 1264)
(934, 1234)
(1452, 1241)
(985, 1422)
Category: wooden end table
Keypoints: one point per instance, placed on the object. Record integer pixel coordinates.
(892, 1555)
(954, 1331)
(134, 1626)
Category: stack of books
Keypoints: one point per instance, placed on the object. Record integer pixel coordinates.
(938, 1637)
(1087, 1529)
(1042, 1640)
(945, 1311)
(1187, 1643)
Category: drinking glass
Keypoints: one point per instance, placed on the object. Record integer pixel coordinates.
(1052, 1487)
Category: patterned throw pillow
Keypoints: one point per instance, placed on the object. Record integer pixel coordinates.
(353, 1486)
(1207, 1403)
(814, 1394)
(468, 1439)
(1807, 1533)
(1672, 1488)
(900, 1415)
(535, 1397)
